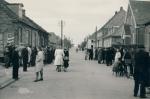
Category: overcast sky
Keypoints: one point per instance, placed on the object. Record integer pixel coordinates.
(80, 16)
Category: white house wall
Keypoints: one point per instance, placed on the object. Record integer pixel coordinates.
(108, 42)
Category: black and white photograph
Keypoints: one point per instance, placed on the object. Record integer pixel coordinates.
(74, 49)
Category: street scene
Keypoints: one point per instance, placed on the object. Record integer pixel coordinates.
(84, 80)
(83, 49)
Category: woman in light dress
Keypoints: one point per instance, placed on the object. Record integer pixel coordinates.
(59, 53)
(117, 56)
(39, 65)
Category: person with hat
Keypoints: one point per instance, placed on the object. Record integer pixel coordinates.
(140, 72)
(15, 63)
(66, 59)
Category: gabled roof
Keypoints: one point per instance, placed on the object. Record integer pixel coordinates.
(127, 29)
(7, 10)
(116, 20)
(24, 19)
(30, 22)
(141, 11)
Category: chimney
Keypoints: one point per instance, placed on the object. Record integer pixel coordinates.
(116, 12)
(121, 8)
(17, 8)
(23, 12)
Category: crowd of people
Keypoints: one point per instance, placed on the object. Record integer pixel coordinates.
(125, 61)
(27, 56)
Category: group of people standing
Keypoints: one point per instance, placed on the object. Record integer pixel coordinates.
(16, 56)
(131, 62)
(61, 59)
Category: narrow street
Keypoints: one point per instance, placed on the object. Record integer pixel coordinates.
(84, 80)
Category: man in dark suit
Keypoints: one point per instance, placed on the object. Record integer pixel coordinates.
(25, 58)
(141, 71)
(15, 63)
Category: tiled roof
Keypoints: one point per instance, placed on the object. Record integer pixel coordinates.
(116, 20)
(6, 9)
(30, 22)
(141, 11)
(25, 19)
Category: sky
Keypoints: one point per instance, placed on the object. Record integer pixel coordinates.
(80, 16)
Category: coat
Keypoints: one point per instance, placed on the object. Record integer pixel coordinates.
(39, 61)
(58, 57)
(66, 59)
(25, 54)
(15, 59)
(117, 56)
(149, 72)
(29, 54)
(141, 67)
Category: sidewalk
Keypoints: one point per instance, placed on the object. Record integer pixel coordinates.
(5, 77)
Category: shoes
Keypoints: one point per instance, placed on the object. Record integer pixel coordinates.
(143, 97)
(135, 95)
(41, 79)
(16, 78)
(36, 80)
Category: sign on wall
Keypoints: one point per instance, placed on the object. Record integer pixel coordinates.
(1, 45)
(10, 38)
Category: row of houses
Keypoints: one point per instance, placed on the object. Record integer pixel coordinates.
(17, 28)
(131, 27)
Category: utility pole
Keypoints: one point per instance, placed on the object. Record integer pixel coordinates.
(96, 38)
(61, 33)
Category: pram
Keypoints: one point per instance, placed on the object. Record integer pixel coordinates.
(118, 68)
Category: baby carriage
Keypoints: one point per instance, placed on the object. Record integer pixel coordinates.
(118, 68)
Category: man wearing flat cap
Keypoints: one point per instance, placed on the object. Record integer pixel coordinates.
(141, 71)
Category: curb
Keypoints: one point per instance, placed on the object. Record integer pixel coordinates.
(6, 83)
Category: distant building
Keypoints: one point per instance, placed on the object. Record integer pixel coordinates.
(54, 40)
(17, 28)
(90, 42)
(137, 22)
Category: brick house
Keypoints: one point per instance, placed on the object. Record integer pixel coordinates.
(17, 28)
(107, 36)
(137, 21)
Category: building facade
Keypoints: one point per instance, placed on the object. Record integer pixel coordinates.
(137, 20)
(17, 28)
(108, 34)
(54, 40)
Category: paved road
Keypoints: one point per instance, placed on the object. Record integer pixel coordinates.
(84, 80)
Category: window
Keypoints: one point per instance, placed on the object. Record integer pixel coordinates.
(20, 34)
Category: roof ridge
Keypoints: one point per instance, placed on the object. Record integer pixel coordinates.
(8, 10)
(13, 15)
(35, 23)
(111, 19)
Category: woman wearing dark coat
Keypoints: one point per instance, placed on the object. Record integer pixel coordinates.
(128, 62)
(148, 84)
(25, 58)
(141, 72)
(66, 59)
(15, 63)
(33, 56)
